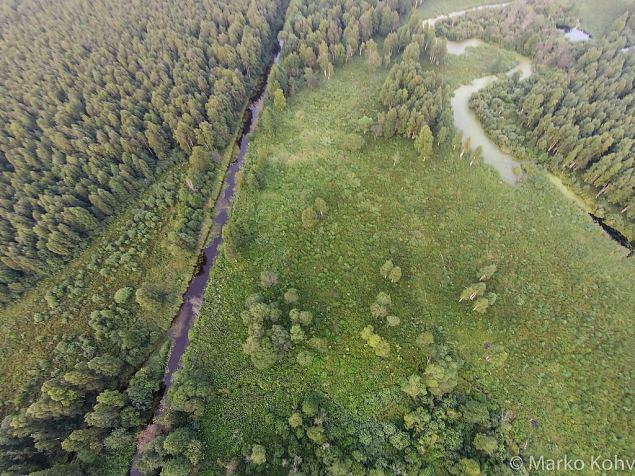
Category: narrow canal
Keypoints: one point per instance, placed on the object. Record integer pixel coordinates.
(193, 296)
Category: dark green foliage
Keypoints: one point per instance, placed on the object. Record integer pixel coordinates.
(319, 36)
(432, 439)
(529, 28)
(97, 101)
(413, 98)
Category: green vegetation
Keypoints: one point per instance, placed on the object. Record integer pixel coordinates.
(546, 350)
(598, 21)
(434, 8)
(97, 102)
(84, 349)
(574, 118)
(382, 303)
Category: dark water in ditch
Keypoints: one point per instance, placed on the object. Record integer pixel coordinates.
(193, 296)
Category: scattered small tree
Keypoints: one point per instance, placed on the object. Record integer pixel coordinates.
(414, 386)
(395, 274)
(309, 218)
(291, 296)
(423, 142)
(123, 295)
(374, 60)
(486, 272)
(320, 206)
(386, 268)
(258, 455)
(486, 444)
(279, 101)
(393, 321)
(268, 279)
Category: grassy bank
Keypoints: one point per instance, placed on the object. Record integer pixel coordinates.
(435, 8)
(596, 19)
(564, 293)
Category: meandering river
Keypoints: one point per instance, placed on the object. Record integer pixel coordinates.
(464, 118)
(193, 297)
(466, 121)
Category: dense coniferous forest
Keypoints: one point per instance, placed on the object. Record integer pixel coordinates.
(92, 110)
(578, 118)
(99, 101)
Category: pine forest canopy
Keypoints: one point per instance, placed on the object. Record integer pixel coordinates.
(97, 98)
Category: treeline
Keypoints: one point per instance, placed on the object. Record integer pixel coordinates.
(414, 97)
(319, 36)
(322, 437)
(164, 84)
(96, 99)
(527, 27)
(579, 119)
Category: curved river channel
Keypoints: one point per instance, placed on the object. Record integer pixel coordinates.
(464, 118)
(466, 121)
(193, 296)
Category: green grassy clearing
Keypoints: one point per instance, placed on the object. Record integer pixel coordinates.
(435, 8)
(565, 289)
(597, 18)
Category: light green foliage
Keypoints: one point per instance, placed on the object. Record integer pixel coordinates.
(309, 218)
(424, 141)
(395, 274)
(481, 305)
(258, 455)
(375, 341)
(378, 311)
(496, 355)
(320, 206)
(295, 420)
(305, 318)
(200, 160)
(424, 340)
(268, 279)
(383, 299)
(391, 272)
(441, 377)
(123, 295)
(297, 334)
(364, 124)
(279, 101)
(386, 268)
(486, 444)
(393, 321)
(469, 467)
(414, 386)
(473, 292)
(412, 53)
(316, 434)
(476, 291)
(291, 296)
(486, 272)
(304, 358)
